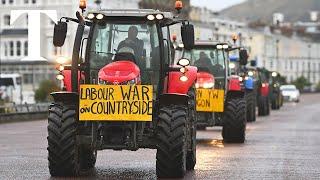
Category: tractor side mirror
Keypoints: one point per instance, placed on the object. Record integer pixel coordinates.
(253, 63)
(243, 57)
(60, 33)
(187, 35)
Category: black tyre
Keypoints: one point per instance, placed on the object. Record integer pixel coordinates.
(234, 120)
(172, 141)
(192, 131)
(275, 104)
(262, 106)
(267, 107)
(251, 106)
(66, 157)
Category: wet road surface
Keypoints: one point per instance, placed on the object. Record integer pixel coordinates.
(285, 145)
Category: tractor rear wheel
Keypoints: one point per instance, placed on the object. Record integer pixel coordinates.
(172, 141)
(251, 106)
(275, 104)
(66, 156)
(262, 106)
(234, 120)
(192, 120)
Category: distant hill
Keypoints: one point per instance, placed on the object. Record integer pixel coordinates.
(253, 10)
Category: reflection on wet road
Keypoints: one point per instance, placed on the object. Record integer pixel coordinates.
(285, 145)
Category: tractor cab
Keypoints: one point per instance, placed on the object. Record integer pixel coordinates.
(211, 60)
(218, 92)
(121, 91)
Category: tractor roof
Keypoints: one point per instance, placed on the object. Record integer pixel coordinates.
(133, 12)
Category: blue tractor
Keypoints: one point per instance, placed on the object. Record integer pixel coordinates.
(248, 80)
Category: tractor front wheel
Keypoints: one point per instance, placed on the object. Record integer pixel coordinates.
(234, 120)
(251, 106)
(66, 156)
(172, 141)
(192, 129)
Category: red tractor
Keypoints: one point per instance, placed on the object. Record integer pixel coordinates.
(123, 94)
(220, 95)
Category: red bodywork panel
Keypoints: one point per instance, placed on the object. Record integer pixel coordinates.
(67, 79)
(176, 86)
(119, 72)
(264, 89)
(234, 84)
(204, 77)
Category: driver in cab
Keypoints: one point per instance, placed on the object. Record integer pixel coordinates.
(133, 42)
(203, 61)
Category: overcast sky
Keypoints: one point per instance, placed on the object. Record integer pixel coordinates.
(215, 5)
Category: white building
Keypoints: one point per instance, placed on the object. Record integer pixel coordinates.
(118, 4)
(14, 40)
(292, 57)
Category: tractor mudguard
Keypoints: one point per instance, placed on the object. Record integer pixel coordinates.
(176, 86)
(176, 99)
(65, 97)
(264, 89)
(235, 94)
(67, 79)
(234, 84)
(248, 83)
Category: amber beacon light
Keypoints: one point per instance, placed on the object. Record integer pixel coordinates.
(83, 4)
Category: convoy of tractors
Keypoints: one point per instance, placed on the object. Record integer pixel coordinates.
(130, 87)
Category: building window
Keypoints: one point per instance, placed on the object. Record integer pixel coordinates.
(291, 65)
(11, 48)
(6, 20)
(10, 1)
(3, 1)
(5, 49)
(26, 1)
(26, 48)
(34, 1)
(18, 48)
(27, 78)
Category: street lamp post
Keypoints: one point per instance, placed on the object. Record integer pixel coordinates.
(309, 62)
(277, 55)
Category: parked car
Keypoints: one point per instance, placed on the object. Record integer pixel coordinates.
(290, 93)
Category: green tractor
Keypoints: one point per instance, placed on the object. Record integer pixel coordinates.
(275, 95)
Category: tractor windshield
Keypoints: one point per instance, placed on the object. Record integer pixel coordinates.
(140, 40)
(210, 59)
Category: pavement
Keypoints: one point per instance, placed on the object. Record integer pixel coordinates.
(285, 145)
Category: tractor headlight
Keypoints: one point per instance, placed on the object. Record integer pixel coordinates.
(131, 82)
(225, 46)
(90, 16)
(184, 62)
(197, 85)
(99, 16)
(60, 77)
(240, 79)
(208, 85)
(250, 73)
(232, 65)
(274, 74)
(246, 78)
(183, 78)
(60, 68)
(159, 16)
(150, 17)
(62, 60)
